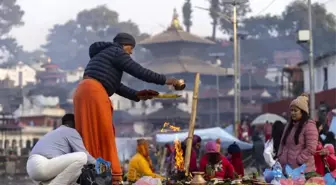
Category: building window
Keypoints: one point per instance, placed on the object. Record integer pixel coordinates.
(325, 78)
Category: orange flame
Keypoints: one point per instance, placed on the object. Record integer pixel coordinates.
(179, 161)
(171, 127)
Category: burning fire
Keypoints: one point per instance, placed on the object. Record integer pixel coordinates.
(171, 127)
(179, 161)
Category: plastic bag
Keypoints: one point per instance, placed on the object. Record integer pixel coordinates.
(295, 173)
(329, 179)
(268, 175)
(148, 181)
(103, 167)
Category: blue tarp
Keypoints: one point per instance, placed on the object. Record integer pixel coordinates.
(229, 129)
(206, 135)
(332, 127)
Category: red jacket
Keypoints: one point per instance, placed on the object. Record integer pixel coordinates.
(319, 164)
(193, 161)
(331, 159)
(227, 170)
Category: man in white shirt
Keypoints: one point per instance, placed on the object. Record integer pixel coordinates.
(59, 156)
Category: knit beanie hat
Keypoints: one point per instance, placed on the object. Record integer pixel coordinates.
(233, 148)
(124, 39)
(211, 147)
(301, 102)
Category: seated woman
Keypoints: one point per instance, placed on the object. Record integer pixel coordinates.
(196, 144)
(140, 164)
(214, 164)
(59, 156)
(235, 157)
(300, 139)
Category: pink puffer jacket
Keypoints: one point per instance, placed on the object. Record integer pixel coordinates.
(302, 153)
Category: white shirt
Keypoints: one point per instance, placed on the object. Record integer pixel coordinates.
(269, 153)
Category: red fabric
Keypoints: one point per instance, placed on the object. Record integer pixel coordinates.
(193, 161)
(268, 137)
(331, 159)
(319, 164)
(228, 170)
(237, 163)
(268, 129)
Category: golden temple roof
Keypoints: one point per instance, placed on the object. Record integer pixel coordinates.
(175, 33)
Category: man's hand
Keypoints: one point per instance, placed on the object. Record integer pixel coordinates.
(172, 81)
(146, 94)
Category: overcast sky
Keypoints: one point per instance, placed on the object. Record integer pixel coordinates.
(152, 16)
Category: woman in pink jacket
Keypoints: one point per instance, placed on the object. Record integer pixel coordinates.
(300, 139)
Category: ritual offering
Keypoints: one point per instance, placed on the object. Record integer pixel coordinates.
(180, 85)
(198, 179)
(167, 96)
(315, 181)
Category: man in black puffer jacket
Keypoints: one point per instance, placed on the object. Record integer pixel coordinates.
(102, 78)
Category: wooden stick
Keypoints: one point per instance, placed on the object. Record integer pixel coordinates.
(163, 159)
(192, 124)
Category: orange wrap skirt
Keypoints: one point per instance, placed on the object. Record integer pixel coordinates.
(93, 116)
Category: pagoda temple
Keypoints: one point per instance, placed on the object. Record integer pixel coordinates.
(180, 54)
(51, 74)
(177, 53)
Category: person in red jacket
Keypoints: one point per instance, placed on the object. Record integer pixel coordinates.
(214, 164)
(331, 159)
(320, 152)
(196, 144)
(235, 157)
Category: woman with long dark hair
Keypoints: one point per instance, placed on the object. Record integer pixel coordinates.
(272, 145)
(214, 164)
(299, 141)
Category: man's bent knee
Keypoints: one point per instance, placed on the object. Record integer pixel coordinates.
(81, 158)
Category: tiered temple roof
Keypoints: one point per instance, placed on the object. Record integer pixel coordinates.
(174, 33)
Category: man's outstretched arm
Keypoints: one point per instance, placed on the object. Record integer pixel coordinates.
(127, 64)
(127, 92)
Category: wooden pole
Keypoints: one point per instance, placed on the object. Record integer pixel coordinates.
(163, 159)
(192, 124)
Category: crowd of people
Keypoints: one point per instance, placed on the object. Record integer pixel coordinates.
(60, 155)
(301, 142)
(214, 162)
(93, 114)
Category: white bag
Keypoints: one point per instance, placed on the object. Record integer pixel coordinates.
(148, 181)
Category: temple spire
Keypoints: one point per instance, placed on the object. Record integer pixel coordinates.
(175, 23)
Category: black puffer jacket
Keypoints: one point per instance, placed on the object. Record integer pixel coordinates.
(107, 64)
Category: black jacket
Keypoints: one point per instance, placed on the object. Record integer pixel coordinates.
(107, 64)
